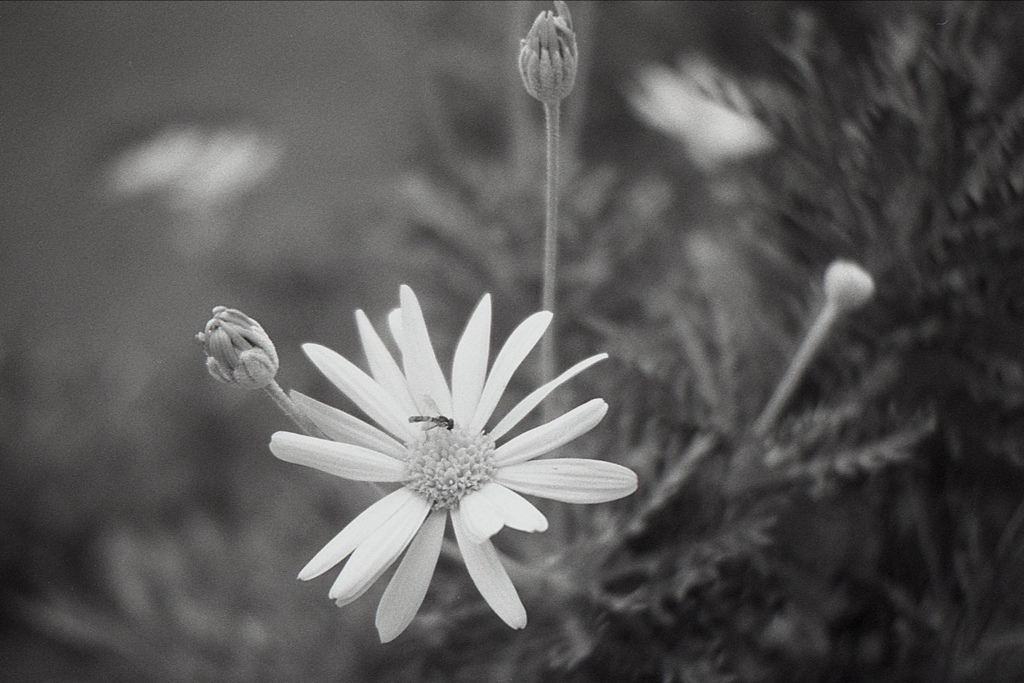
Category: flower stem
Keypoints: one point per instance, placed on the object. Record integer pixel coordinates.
(804, 355)
(288, 407)
(547, 344)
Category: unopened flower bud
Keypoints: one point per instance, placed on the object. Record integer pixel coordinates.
(847, 285)
(548, 56)
(238, 350)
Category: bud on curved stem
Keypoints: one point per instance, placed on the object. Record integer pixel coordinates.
(548, 57)
(847, 288)
(239, 352)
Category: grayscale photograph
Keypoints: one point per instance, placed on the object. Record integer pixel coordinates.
(532, 341)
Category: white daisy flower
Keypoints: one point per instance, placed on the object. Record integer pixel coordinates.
(671, 101)
(432, 440)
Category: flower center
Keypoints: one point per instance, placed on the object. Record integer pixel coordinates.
(446, 464)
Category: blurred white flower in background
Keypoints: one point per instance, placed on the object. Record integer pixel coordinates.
(195, 166)
(197, 170)
(676, 102)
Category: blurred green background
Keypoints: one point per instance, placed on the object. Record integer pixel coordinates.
(143, 521)
(147, 532)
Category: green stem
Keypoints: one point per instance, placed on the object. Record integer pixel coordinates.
(288, 407)
(547, 344)
(805, 354)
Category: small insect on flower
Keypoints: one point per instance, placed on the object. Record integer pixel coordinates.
(431, 421)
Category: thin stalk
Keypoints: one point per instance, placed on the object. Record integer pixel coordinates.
(547, 344)
(804, 355)
(288, 407)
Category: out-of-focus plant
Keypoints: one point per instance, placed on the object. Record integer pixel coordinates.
(857, 517)
(820, 540)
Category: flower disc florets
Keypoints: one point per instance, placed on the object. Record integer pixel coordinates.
(448, 464)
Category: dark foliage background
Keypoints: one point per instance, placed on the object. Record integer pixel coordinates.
(875, 533)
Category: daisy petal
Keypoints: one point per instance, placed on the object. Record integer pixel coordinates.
(480, 518)
(519, 344)
(365, 585)
(340, 459)
(549, 436)
(490, 577)
(421, 367)
(380, 550)
(354, 533)
(524, 407)
(408, 587)
(362, 389)
(340, 426)
(517, 512)
(469, 367)
(395, 325)
(382, 366)
(570, 480)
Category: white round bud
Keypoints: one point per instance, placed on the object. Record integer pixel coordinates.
(847, 285)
